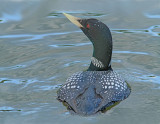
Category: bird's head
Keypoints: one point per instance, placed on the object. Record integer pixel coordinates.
(94, 29)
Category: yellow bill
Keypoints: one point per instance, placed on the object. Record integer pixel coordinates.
(73, 19)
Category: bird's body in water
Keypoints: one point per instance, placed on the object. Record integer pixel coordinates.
(98, 88)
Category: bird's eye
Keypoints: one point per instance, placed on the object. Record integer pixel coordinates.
(88, 26)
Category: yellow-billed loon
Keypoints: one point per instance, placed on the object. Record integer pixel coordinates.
(92, 91)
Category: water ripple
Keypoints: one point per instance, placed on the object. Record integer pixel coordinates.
(142, 76)
(21, 65)
(131, 52)
(152, 16)
(8, 109)
(69, 45)
(84, 14)
(40, 107)
(31, 37)
(46, 87)
(149, 78)
(10, 17)
(73, 62)
(18, 81)
(34, 110)
(26, 82)
(144, 31)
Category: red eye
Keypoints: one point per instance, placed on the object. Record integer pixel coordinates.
(88, 26)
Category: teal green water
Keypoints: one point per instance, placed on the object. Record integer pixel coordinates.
(40, 48)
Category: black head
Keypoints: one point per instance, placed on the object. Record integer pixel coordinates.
(96, 31)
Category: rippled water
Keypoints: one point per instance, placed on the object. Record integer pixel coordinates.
(40, 48)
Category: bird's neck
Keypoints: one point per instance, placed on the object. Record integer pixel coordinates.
(101, 59)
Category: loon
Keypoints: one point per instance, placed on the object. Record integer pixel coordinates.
(99, 87)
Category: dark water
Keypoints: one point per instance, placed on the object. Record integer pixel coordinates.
(40, 48)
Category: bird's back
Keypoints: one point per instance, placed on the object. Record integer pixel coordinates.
(89, 92)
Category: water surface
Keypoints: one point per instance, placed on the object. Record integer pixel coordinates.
(40, 48)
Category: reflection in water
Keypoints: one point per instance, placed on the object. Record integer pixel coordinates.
(34, 37)
(147, 77)
(8, 109)
(25, 83)
(69, 45)
(18, 81)
(131, 52)
(10, 17)
(84, 14)
(149, 30)
(152, 16)
(47, 87)
(71, 63)
(21, 65)
(143, 76)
